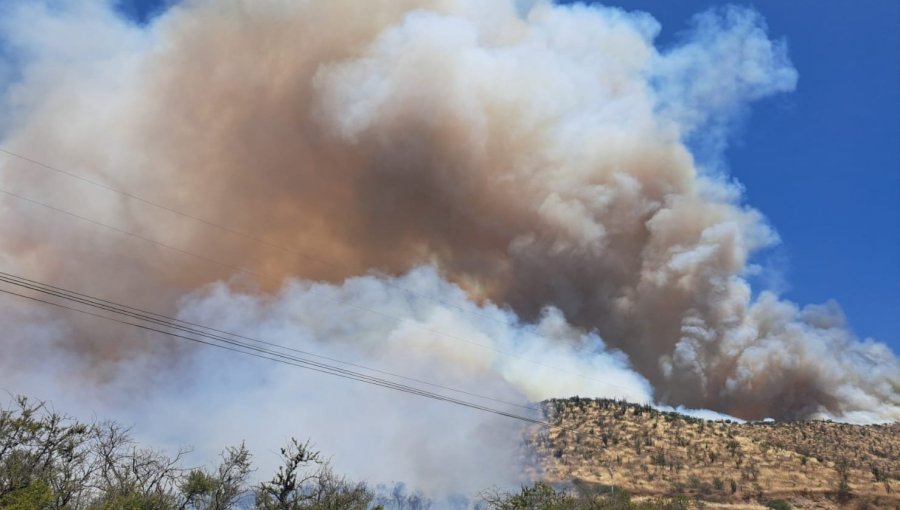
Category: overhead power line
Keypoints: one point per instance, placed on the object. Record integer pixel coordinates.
(125, 232)
(229, 341)
(252, 272)
(214, 333)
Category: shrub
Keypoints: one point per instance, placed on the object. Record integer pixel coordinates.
(778, 504)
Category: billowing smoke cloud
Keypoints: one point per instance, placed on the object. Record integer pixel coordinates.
(519, 160)
(215, 399)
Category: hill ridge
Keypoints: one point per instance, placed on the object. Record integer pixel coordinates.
(814, 463)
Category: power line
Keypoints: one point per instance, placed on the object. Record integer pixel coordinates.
(274, 356)
(263, 241)
(209, 332)
(191, 334)
(252, 272)
(124, 232)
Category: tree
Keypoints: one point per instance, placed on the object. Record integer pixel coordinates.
(35, 496)
(42, 456)
(130, 477)
(49, 461)
(843, 486)
(540, 496)
(305, 481)
(219, 490)
(285, 490)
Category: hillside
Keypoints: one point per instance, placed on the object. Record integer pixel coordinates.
(814, 464)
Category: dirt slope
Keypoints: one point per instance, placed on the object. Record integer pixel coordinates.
(809, 463)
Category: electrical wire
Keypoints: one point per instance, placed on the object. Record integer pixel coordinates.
(267, 354)
(208, 332)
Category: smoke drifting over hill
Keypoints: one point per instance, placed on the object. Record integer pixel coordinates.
(523, 164)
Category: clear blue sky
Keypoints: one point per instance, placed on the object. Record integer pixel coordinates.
(823, 163)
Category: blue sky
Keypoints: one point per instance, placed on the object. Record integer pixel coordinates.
(822, 163)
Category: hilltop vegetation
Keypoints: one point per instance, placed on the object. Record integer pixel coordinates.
(651, 453)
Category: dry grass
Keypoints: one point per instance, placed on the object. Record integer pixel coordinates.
(812, 464)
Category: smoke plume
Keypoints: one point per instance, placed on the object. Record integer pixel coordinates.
(525, 168)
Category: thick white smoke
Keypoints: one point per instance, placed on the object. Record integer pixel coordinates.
(524, 162)
(213, 398)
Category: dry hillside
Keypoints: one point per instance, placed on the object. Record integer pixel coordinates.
(808, 463)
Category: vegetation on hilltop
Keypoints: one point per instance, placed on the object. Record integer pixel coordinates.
(654, 453)
(543, 496)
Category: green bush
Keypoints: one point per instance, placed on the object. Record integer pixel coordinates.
(37, 495)
(778, 504)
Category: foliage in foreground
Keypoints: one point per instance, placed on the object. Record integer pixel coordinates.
(49, 461)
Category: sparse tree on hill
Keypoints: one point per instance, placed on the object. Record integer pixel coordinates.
(842, 466)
